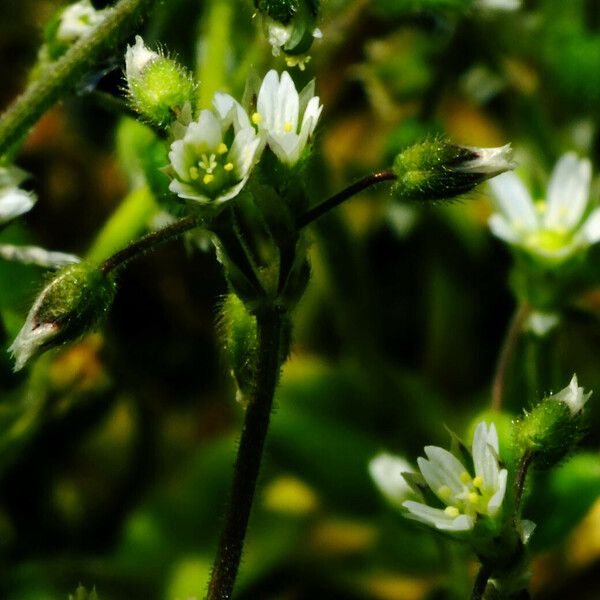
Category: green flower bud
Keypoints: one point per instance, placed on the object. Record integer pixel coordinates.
(82, 594)
(71, 304)
(435, 170)
(551, 430)
(159, 88)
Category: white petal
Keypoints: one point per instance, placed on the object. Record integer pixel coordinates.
(137, 57)
(267, 96)
(502, 229)
(590, 230)
(285, 147)
(568, 192)
(33, 255)
(15, 202)
(288, 102)
(204, 134)
(437, 518)
(447, 465)
(386, 471)
(573, 396)
(188, 192)
(230, 111)
(244, 151)
(496, 500)
(514, 202)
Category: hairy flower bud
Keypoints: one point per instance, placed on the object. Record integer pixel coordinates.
(159, 87)
(551, 430)
(435, 170)
(72, 303)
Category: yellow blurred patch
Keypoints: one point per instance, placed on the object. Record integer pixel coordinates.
(342, 536)
(290, 495)
(388, 586)
(583, 545)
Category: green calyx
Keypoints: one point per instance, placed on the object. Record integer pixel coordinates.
(76, 300)
(549, 433)
(162, 90)
(431, 170)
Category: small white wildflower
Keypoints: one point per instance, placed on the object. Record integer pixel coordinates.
(464, 496)
(137, 57)
(203, 167)
(78, 20)
(542, 323)
(386, 472)
(287, 118)
(573, 396)
(553, 230)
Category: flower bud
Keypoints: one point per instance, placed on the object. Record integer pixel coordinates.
(386, 471)
(551, 430)
(72, 303)
(435, 170)
(82, 594)
(159, 87)
(289, 26)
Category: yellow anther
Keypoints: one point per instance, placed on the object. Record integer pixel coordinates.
(194, 172)
(222, 148)
(228, 166)
(444, 492)
(208, 178)
(478, 482)
(256, 118)
(287, 127)
(452, 511)
(465, 477)
(474, 497)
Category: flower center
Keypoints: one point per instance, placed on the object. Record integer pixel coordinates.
(472, 499)
(212, 170)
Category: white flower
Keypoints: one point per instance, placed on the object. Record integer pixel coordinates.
(464, 496)
(13, 200)
(287, 118)
(386, 471)
(137, 57)
(498, 4)
(553, 230)
(203, 167)
(573, 396)
(78, 20)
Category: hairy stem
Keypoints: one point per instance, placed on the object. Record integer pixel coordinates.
(481, 582)
(44, 91)
(247, 464)
(335, 200)
(509, 346)
(520, 479)
(148, 242)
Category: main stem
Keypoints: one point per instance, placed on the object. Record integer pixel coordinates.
(66, 72)
(247, 464)
(509, 347)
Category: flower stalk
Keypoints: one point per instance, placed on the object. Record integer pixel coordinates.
(41, 95)
(270, 322)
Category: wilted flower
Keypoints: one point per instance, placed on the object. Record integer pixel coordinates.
(286, 117)
(553, 230)
(465, 496)
(137, 58)
(386, 472)
(78, 20)
(204, 168)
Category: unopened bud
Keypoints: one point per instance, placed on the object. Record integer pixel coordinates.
(551, 430)
(290, 26)
(159, 87)
(435, 170)
(71, 304)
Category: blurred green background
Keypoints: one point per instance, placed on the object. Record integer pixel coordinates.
(116, 452)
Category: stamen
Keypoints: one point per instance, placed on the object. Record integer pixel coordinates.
(452, 511)
(208, 178)
(194, 172)
(208, 163)
(478, 482)
(287, 127)
(444, 492)
(228, 166)
(256, 118)
(222, 148)
(465, 477)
